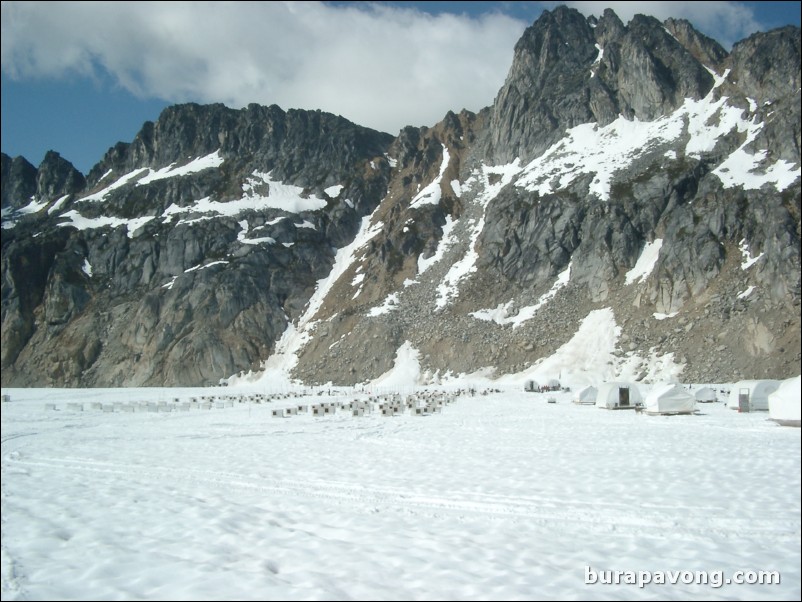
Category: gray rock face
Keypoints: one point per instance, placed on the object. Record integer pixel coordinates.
(57, 177)
(174, 294)
(306, 148)
(160, 270)
(566, 72)
(650, 72)
(646, 70)
(704, 49)
(766, 66)
(766, 69)
(22, 182)
(548, 88)
(18, 182)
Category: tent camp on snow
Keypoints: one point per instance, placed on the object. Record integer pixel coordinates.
(618, 396)
(586, 396)
(532, 386)
(668, 400)
(751, 395)
(785, 405)
(706, 395)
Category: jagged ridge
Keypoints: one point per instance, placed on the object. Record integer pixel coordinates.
(492, 237)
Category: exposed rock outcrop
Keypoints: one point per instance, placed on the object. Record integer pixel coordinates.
(636, 171)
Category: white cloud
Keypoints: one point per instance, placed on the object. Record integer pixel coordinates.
(380, 66)
(725, 22)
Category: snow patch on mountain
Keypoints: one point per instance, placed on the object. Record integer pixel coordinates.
(646, 262)
(604, 150)
(432, 193)
(119, 183)
(589, 357)
(748, 261)
(55, 207)
(242, 236)
(334, 191)
(743, 169)
(389, 304)
(278, 196)
(490, 179)
(501, 314)
(406, 370)
(277, 368)
(171, 171)
(78, 221)
(447, 240)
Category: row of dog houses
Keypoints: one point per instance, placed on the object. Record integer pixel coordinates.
(780, 398)
(421, 404)
(532, 386)
(143, 406)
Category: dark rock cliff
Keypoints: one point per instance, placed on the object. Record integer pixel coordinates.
(184, 255)
(146, 296)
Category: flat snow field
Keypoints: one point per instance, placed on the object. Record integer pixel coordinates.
(499, 496)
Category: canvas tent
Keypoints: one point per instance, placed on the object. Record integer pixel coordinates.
(751, 395)
(553, 384)
(618, 396)
(668, 400)
(586, 396)
(785, 406)
(706, 395)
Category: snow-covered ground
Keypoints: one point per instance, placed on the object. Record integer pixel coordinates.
(499, 496)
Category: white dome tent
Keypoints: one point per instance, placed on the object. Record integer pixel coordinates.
(751, 395)
(785, 404)
(618, 396)
(706, 395)
(586, 396)
(669, 400)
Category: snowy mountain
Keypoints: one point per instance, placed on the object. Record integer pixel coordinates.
(631, 200)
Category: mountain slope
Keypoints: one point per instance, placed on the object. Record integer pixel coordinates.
(188, 251)
(633, 179)
(514, 256)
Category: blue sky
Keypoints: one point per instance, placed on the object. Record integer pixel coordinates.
(79, 77)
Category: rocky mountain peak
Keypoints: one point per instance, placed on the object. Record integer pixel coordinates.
(704, 49)
(568, 70)
(654, 73)
(560, 37)
(285, 142)
(18, 181)
(56, 176)
(609, 27)
(546, 89)
(23, 183)
(766, 65)
(624, 182)
(268, 192)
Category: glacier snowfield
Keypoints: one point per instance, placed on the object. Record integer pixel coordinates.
(498, 496)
